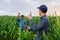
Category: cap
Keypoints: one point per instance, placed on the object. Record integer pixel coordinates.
(43, 8)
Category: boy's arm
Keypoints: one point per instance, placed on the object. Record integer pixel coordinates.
(37, 27)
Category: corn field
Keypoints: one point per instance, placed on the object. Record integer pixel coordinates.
(10, 30)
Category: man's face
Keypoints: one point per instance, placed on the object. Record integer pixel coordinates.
(22, 17)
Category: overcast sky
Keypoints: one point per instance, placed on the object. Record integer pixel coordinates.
(12, 7)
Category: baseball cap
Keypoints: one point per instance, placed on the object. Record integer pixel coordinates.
(43, 8)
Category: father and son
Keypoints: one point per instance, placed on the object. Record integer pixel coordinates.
(42, 25)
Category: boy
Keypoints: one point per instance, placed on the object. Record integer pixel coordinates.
(42, 25)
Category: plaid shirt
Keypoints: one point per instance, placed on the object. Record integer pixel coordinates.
(22, 23)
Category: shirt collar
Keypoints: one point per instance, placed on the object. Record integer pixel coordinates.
(43, 16)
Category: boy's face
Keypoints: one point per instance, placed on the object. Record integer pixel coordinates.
(40, 12)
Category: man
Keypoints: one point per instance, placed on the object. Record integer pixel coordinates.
(43, 25)
(21, 21)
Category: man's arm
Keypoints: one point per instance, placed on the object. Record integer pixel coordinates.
(37, 27)
(25, 22)
(18, 17)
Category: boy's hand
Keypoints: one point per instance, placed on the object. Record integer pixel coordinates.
(26, 27)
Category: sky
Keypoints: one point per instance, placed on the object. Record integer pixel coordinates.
(13, 7)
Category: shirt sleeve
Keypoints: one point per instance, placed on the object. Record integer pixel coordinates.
(25, 22)
(40, 25)
(18, 19)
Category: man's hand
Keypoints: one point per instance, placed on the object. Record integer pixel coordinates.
(30, 16)
(18, 14)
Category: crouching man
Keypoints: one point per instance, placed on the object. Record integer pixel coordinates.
(21, 22)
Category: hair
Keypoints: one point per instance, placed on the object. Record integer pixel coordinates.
(22, 15)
